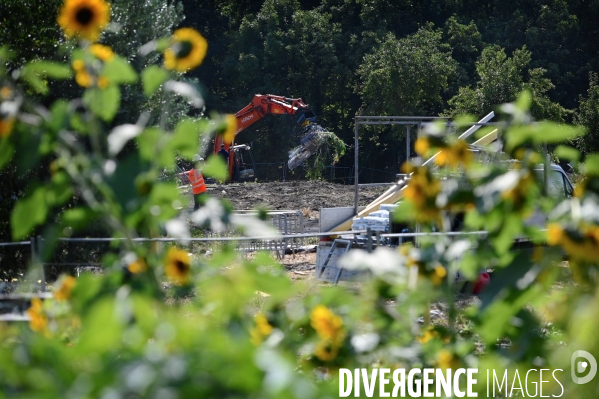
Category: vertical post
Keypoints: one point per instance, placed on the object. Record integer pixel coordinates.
(407, 143)
(546, 171)
(356, 127)
(33, 250)
(369, 239)
(40, 251)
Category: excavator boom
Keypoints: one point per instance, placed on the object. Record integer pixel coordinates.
(265, 104)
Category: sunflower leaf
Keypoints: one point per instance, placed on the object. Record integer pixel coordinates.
(215, 167)
(103, 103)
(119, 71)
(29, 212)
(152, 77)
(34, 81)
(7, 149)
(50, 69)
(186, 137)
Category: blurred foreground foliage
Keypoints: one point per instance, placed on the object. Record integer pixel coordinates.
(163, 323)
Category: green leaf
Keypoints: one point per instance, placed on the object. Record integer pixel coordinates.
(102, 330)
(60, 190)
(28, 213)
(569, 153)
(544, 132)
(103, 103)
(152, 77)
(186, 137)
(591, 165)
(77, 218)
(215, 167)
(165, 196)
(7, 149)
(50, 69)
(154, 147)
(550, 132)
(59, 115)
(34, 81)
(524, 101)
(118, 71)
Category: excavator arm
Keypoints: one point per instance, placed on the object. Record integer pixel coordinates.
(260, 106)
(265, 104)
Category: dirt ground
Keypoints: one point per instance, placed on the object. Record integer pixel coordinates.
(307, 196)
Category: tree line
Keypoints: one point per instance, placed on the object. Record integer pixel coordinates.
(422, 58)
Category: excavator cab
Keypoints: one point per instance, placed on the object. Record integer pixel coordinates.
(243, 167)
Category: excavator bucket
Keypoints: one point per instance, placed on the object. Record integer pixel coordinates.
(304, 115)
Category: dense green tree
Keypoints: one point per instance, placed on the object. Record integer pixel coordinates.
(29, 29)
(406, 76)
(588, 116)
(501, 80)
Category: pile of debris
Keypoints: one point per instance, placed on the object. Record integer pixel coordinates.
(313, 137)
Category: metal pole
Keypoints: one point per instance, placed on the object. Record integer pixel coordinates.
(407, 143)
(42, 268)
(546, 171)
(356, 127)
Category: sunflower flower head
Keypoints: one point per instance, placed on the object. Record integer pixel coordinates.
(327, 324)
(422, 145)
(38, 321)
(555, 232)
(427, 335)
(581, 244)
(438, 275)
(187, 51)
(230, 128)
(137, 266)
(422, 191)
(101, 52)
(84, 19)
(261, 330)
(178, 266)
(447, 360)
(326, 350)
(64, 288)
(454, 155)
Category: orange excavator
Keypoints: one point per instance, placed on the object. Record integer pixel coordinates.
(260, 106)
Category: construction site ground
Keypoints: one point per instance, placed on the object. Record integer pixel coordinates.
(305, 196)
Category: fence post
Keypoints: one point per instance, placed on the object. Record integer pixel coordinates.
(36, 259)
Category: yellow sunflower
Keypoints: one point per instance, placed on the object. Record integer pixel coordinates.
(454, 155)
(137, 266)
(447, 360)
(261, 330)
(177, 266)
(38, 321)
(63, 291)
(102, 52)
(187, 50)
(422, 145)
(231, 129)
(84, 19)
(438, 275)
